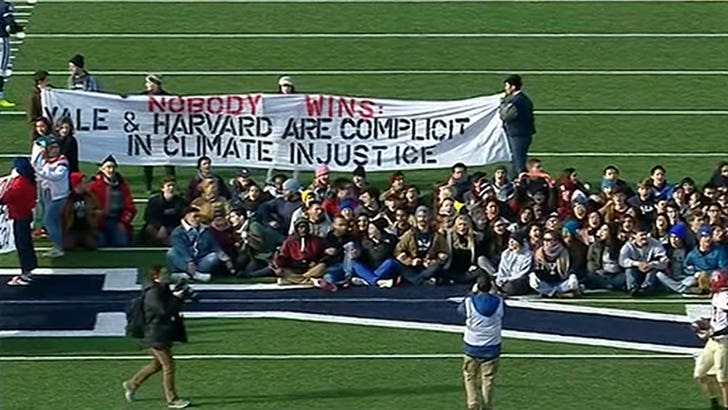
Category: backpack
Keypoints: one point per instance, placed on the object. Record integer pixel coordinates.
(135, 322)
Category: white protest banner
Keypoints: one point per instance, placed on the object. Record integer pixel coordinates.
(296, 131)
(7, 242)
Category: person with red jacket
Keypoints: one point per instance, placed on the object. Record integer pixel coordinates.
(117, 205)
(20, 199)
(300, 259)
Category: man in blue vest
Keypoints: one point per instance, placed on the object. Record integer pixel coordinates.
(483, 313)
(516, 111)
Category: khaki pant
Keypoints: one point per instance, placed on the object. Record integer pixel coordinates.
(479, 375)
(162, 360)
(296, 276)
(713, 360)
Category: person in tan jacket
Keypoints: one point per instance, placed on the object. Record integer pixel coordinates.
(422, 251)
(80, 216)
(210, 201)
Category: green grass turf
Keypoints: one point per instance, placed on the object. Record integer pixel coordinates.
(671, 308)
(397, 17)
(335, 384)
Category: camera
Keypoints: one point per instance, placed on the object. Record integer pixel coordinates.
(184, 291)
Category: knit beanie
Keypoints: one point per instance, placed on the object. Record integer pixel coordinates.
(78, 61)
(679, 230)
(359, 171)
(292, 185)
(322, 169)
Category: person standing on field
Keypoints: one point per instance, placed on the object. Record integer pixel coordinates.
(483, 313)
(516, 111)
(153, 85)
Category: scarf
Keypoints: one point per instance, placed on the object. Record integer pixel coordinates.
(554, 252)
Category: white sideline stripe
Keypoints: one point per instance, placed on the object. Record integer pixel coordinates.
(632, 314)
(114, 278)
(212, 73)
(125, 249)
(116, 321)
(384, 1)
(685, 301)
(404, 356)
(358, 36)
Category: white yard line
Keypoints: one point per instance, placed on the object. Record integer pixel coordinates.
(555, 72)
(382, 1)
(274, 357)
(358, 36)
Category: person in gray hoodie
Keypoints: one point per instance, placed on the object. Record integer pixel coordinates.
(642, 258)
(515, 264)
(278, 212)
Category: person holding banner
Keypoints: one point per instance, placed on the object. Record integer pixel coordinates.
(20, 196)
(53, 171)
(516, 111)
(153, 86)
(80, 79)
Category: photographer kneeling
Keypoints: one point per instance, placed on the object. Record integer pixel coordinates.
(163, 326)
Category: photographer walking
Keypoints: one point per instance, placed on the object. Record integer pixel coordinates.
(163, 327)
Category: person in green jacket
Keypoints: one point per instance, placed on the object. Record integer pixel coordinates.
(258, 244)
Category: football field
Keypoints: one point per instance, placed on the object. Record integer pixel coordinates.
(627, 83)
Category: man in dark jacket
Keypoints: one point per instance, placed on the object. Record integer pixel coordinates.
(163, 327)
(516, 111)
(163, 213)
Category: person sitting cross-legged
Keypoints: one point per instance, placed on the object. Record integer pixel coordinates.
(163, 213)
(514, 266)
(422, 251)
(258, 243)
(698, 265)
(552, 274)
(643, 258)
(301, 257)
(374, 264)
(194, 252)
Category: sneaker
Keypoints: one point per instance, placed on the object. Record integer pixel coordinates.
(18, 281)
(282, 281)
(385, 283)
(178, 404)
(6, 104)
(128, 391)
(202, 277)
(40, 233)
(431, 281)
(357, 281)
(322, 284)
(54, 253)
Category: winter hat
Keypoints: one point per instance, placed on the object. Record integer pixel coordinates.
(578, 197)
(292, 185)
(359, 171)
(571, 226)
(679, 230)
(78, 61)
(23, 167)
(705, 231)
(47, 141)
(520, 237)
(110, 159)
(300, 221)
(380, 223)
(242, 172)
(76, 178)
(422, 209)
(322, 169)
(347, 204)
(154, 78)
(285, 80)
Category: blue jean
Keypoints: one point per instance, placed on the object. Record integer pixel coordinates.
(112, 234)
(52, 220)
(637, 279)
(679, 283)
(177, 260)
(387, 269)
(519, 151)
(340, 272)
(616, 281)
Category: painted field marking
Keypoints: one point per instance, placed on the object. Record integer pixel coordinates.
(382, 1)
(402, 356)
(115, 279)
(572, 72)
(358, 36)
